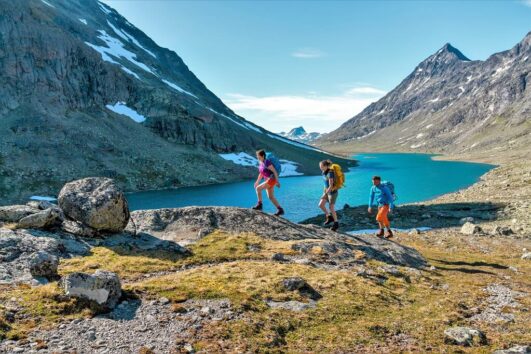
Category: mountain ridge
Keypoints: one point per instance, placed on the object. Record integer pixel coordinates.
(448, 104)
(299, 134)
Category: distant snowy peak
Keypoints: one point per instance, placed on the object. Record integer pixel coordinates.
(299, 134)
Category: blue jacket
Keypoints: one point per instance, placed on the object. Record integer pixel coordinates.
(382, 196)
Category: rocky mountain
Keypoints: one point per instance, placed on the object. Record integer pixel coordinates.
(299, 134)
(448, 104)
(83, 92)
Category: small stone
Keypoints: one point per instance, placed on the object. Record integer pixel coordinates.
(164, 301)
(43, 264)
(207, 310)
(91, 336)
(103, 287)
(518, 349)
(470, 229)
(279, 257)
(18, 350)
(294, 283)
(526, 256)
(414, 232)
(188, 347)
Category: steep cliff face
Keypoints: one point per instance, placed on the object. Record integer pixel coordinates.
(85, 93)
(449, 104)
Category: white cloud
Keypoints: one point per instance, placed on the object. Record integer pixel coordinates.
(314, 112)
(527, 2)
(308, 53)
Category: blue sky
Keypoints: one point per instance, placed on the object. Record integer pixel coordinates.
(283, 64)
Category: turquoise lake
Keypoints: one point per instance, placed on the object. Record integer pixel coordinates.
(416, 178)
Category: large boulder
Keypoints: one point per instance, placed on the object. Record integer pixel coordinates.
(13, 213)
(96, 202)
(102, 287)
(43, 264)
(42, 220)
(464, 336)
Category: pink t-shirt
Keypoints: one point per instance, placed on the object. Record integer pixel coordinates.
(265, 172)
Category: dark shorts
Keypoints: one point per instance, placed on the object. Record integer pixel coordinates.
(332, 197)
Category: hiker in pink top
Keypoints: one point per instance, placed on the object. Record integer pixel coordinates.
(266, 171)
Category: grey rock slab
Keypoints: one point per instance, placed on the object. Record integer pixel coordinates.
(13, 213)
(181, 225)
(296, 306)
(43, 219)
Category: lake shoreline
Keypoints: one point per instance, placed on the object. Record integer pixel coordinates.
(418, 178)
(500, 194)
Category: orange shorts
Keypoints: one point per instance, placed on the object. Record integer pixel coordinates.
(271, 182)
(381, 217)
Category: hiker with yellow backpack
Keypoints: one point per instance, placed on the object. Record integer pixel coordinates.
(334, 179)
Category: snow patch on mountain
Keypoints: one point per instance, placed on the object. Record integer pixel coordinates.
(121, 108)
(289, 168)
(130, 38)
(83, 21)
(104, 8)
(178, 88)
(47, 3)
(115, 48)
(241, 158)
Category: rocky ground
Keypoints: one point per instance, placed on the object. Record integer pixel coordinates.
(215, 279)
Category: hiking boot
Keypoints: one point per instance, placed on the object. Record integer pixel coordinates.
(389, 234)
(335, 226)
(329, 220)
(380, 233)
(279, 212)
(258, 206)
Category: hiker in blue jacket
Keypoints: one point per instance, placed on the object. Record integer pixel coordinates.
(384, 199)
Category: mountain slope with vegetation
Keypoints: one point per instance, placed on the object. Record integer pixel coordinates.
(83, 92)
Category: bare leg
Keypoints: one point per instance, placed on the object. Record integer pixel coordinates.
(259, 190)
(322, 205)
(333, 211)
(271, 195)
